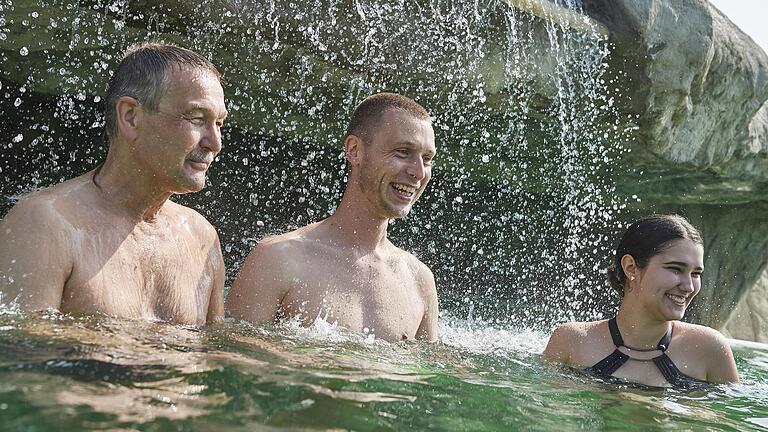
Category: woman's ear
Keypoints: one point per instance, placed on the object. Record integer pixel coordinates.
(629, 266)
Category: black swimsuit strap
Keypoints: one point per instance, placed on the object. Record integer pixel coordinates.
(668, 369)
(613, 361)
(610, 364)
(618, 341)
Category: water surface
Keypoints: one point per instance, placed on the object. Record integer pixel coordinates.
(89, 373)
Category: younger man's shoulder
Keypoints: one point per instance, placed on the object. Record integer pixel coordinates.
(411, 259)
(285, 247)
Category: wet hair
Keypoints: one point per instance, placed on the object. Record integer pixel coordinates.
(144, 74)
(646, 238)
(370, 110)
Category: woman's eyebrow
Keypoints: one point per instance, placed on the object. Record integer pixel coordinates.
(682, 264)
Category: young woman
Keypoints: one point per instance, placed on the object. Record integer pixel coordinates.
(657, 272)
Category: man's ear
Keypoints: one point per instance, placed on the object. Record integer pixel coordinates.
(127, 114)
(630, 267)
(353, 149)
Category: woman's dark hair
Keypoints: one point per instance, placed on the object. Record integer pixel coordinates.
(646, 238)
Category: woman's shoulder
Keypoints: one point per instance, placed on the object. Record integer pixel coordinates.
(570, 338)
(709, 346)
(579, 329)
(701, 336)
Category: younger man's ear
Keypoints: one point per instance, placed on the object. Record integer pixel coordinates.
(352, 149)
(127, 113)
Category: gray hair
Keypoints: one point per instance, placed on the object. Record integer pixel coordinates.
(144, 74)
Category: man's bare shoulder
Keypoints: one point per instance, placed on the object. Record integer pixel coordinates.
(57, 207)
(302, 241)
(190, 219)
(416, 266)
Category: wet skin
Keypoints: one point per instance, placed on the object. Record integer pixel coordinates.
(110, 242)
(344, 269)
(656, 299)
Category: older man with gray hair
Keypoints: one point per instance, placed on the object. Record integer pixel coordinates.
(110, 241)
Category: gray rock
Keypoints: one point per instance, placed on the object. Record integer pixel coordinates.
(698, 86)
(748, 320)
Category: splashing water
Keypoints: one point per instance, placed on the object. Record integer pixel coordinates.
(521, 210)
(516, 224)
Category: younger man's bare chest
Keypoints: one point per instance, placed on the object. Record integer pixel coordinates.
(371, 296)
(136, 273)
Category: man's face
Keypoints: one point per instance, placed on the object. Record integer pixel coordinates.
(179, 141)
(396, 163)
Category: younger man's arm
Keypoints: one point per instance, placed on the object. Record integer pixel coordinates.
(259, 288)
(428, 327)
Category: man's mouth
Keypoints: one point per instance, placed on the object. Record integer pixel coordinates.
(404, 191)
(199, 165)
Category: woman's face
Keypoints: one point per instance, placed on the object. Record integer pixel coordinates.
(671, 279)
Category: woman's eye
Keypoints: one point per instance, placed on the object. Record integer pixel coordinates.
(674, 270)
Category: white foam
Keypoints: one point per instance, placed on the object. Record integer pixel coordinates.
(481, 337)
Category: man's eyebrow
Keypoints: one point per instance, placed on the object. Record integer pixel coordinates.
(197, 107)
(412, 145)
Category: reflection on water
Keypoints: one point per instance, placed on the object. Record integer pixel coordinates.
(76, 373)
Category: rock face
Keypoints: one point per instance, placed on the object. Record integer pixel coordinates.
(698, 87)
(748, 320)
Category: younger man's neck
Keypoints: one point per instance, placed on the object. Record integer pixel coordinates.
(357, 226)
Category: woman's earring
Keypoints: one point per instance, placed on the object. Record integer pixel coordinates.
(632, 277)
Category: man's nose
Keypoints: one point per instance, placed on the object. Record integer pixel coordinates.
(212, 139)
(417, 169)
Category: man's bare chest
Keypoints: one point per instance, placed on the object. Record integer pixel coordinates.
(162, 277)
(382, 301)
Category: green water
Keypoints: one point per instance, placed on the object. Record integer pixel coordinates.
(59, 373)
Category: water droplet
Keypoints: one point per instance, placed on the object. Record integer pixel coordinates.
(18, 138)
(24, 51)
(17, 102)
(486, 158)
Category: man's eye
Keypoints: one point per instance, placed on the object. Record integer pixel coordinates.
(428, 160)
(403, 152)
(696, 274)
(197, 121)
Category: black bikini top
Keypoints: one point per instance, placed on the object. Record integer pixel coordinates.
(613, 361)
